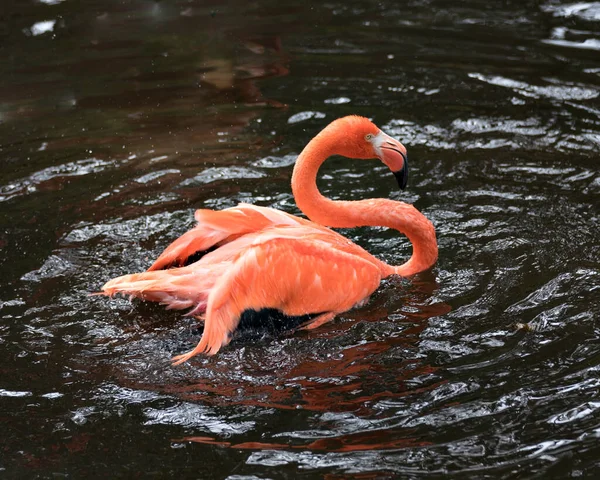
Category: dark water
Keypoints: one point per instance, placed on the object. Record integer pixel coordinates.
(119, 118)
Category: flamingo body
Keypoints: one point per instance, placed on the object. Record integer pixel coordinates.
(256, 258)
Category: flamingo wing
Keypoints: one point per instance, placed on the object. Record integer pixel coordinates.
(190, 286)
(216, 228)
(298, 276)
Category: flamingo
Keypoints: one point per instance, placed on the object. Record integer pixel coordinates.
(254, 258)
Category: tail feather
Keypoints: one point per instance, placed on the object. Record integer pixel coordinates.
(178, 288)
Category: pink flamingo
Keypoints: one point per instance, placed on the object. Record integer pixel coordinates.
(256, 257)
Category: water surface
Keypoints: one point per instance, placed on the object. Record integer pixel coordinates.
(118, 119)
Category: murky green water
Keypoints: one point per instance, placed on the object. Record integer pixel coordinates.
(118, 119)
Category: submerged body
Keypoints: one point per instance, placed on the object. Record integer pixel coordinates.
(256, 258)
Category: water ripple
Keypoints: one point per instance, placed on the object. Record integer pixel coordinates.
(43, 179)
(558, 92)
(486, 366)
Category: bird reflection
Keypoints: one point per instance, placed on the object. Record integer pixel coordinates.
(353, 379)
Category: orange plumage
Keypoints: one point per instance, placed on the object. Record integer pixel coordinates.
(258, 257)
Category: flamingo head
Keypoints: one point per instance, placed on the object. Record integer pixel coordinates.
(362, 139)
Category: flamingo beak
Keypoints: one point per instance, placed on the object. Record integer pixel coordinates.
(393, 154)
(402, 174)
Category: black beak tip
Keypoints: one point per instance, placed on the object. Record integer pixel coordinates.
(402, 174)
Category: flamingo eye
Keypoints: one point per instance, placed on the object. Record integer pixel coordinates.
(369, 137)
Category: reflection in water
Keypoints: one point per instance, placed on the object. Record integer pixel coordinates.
(118, 119)
(344, 443)
(338, 378)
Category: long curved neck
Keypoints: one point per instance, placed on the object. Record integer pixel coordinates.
(349, 214)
